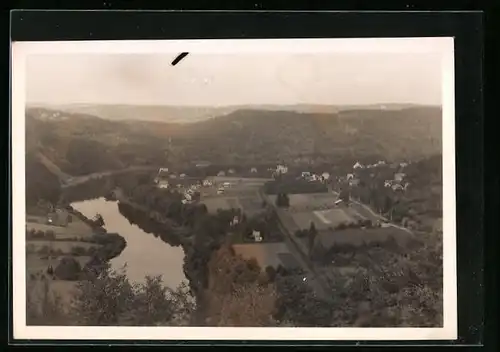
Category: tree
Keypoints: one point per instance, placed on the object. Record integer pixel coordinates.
(68, 269)
(312, 233)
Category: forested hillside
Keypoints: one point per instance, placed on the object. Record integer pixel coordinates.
(81, 144)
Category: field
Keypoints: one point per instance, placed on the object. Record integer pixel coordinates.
(66, 238)
(74, 229)
(267, 254)
(64, 246)
(242, 193)
(360, 236)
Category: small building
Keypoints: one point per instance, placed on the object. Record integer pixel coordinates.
(325, 175)
(163, 184)
(281, 169)
(221, 173)
(354, 182)
(231, 171)
(349, 177)
(253, 170)
(257, 236)
(358, 165)
(182, 175)
(388, 183)
(173, 176)
(305, 174)
(399, 176)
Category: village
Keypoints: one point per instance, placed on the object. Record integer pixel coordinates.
(324, 202)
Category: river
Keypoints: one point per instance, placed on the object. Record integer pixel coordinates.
(144, 254)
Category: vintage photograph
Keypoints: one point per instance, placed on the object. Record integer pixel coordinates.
(271, 184)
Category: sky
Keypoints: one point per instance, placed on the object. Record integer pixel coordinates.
(206, 79)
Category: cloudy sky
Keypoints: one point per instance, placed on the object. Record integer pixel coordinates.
(233, 79)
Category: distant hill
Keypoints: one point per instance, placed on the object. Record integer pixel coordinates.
(80, 143)
(264, 135)
(188, 114)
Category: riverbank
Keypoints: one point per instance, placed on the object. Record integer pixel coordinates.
(58, 256)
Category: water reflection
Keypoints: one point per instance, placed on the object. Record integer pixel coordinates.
(145, 254)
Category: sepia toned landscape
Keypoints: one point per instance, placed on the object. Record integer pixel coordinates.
(216, 193)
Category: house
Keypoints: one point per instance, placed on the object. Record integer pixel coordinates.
(235, 221)
(182, 175)
(381, 162)
(325, 175)
(388, 183)
(188, 196)
(207, 183)
(230, 171)
(338, 201)
(184, 201)
(226, 184)
(305, 174)
(354, 182)
(163, 184)
(281, 169)
(221, 173)
(163, 169)
(349, 177)
(257, 236)
(399, 176)
(403, 164)
(202, 164)
(358, 165)
(397, 187)
(253, 170)
(173, 176)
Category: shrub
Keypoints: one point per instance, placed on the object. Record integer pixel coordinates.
(49, 234)
(68, 269)
(78, 251)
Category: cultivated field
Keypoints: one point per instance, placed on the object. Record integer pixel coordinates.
(360, 236)
(75, 229)
(43, 253)
(308, 202)
(267, 254)
(242, 193)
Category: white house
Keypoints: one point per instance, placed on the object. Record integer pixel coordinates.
(358, 165)
(257, 236)
(173, 176)
(253, 170)
(388, 183)
(338, 201)
(325, 175)
(230, 171)
(163, 184)
(403, 164)
(381, 162)
(188, 196)
(281, 169)
(306, 174)
(182, 175)
(221, 173)
(349, 177)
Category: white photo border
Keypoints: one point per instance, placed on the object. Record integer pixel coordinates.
(441, 45)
